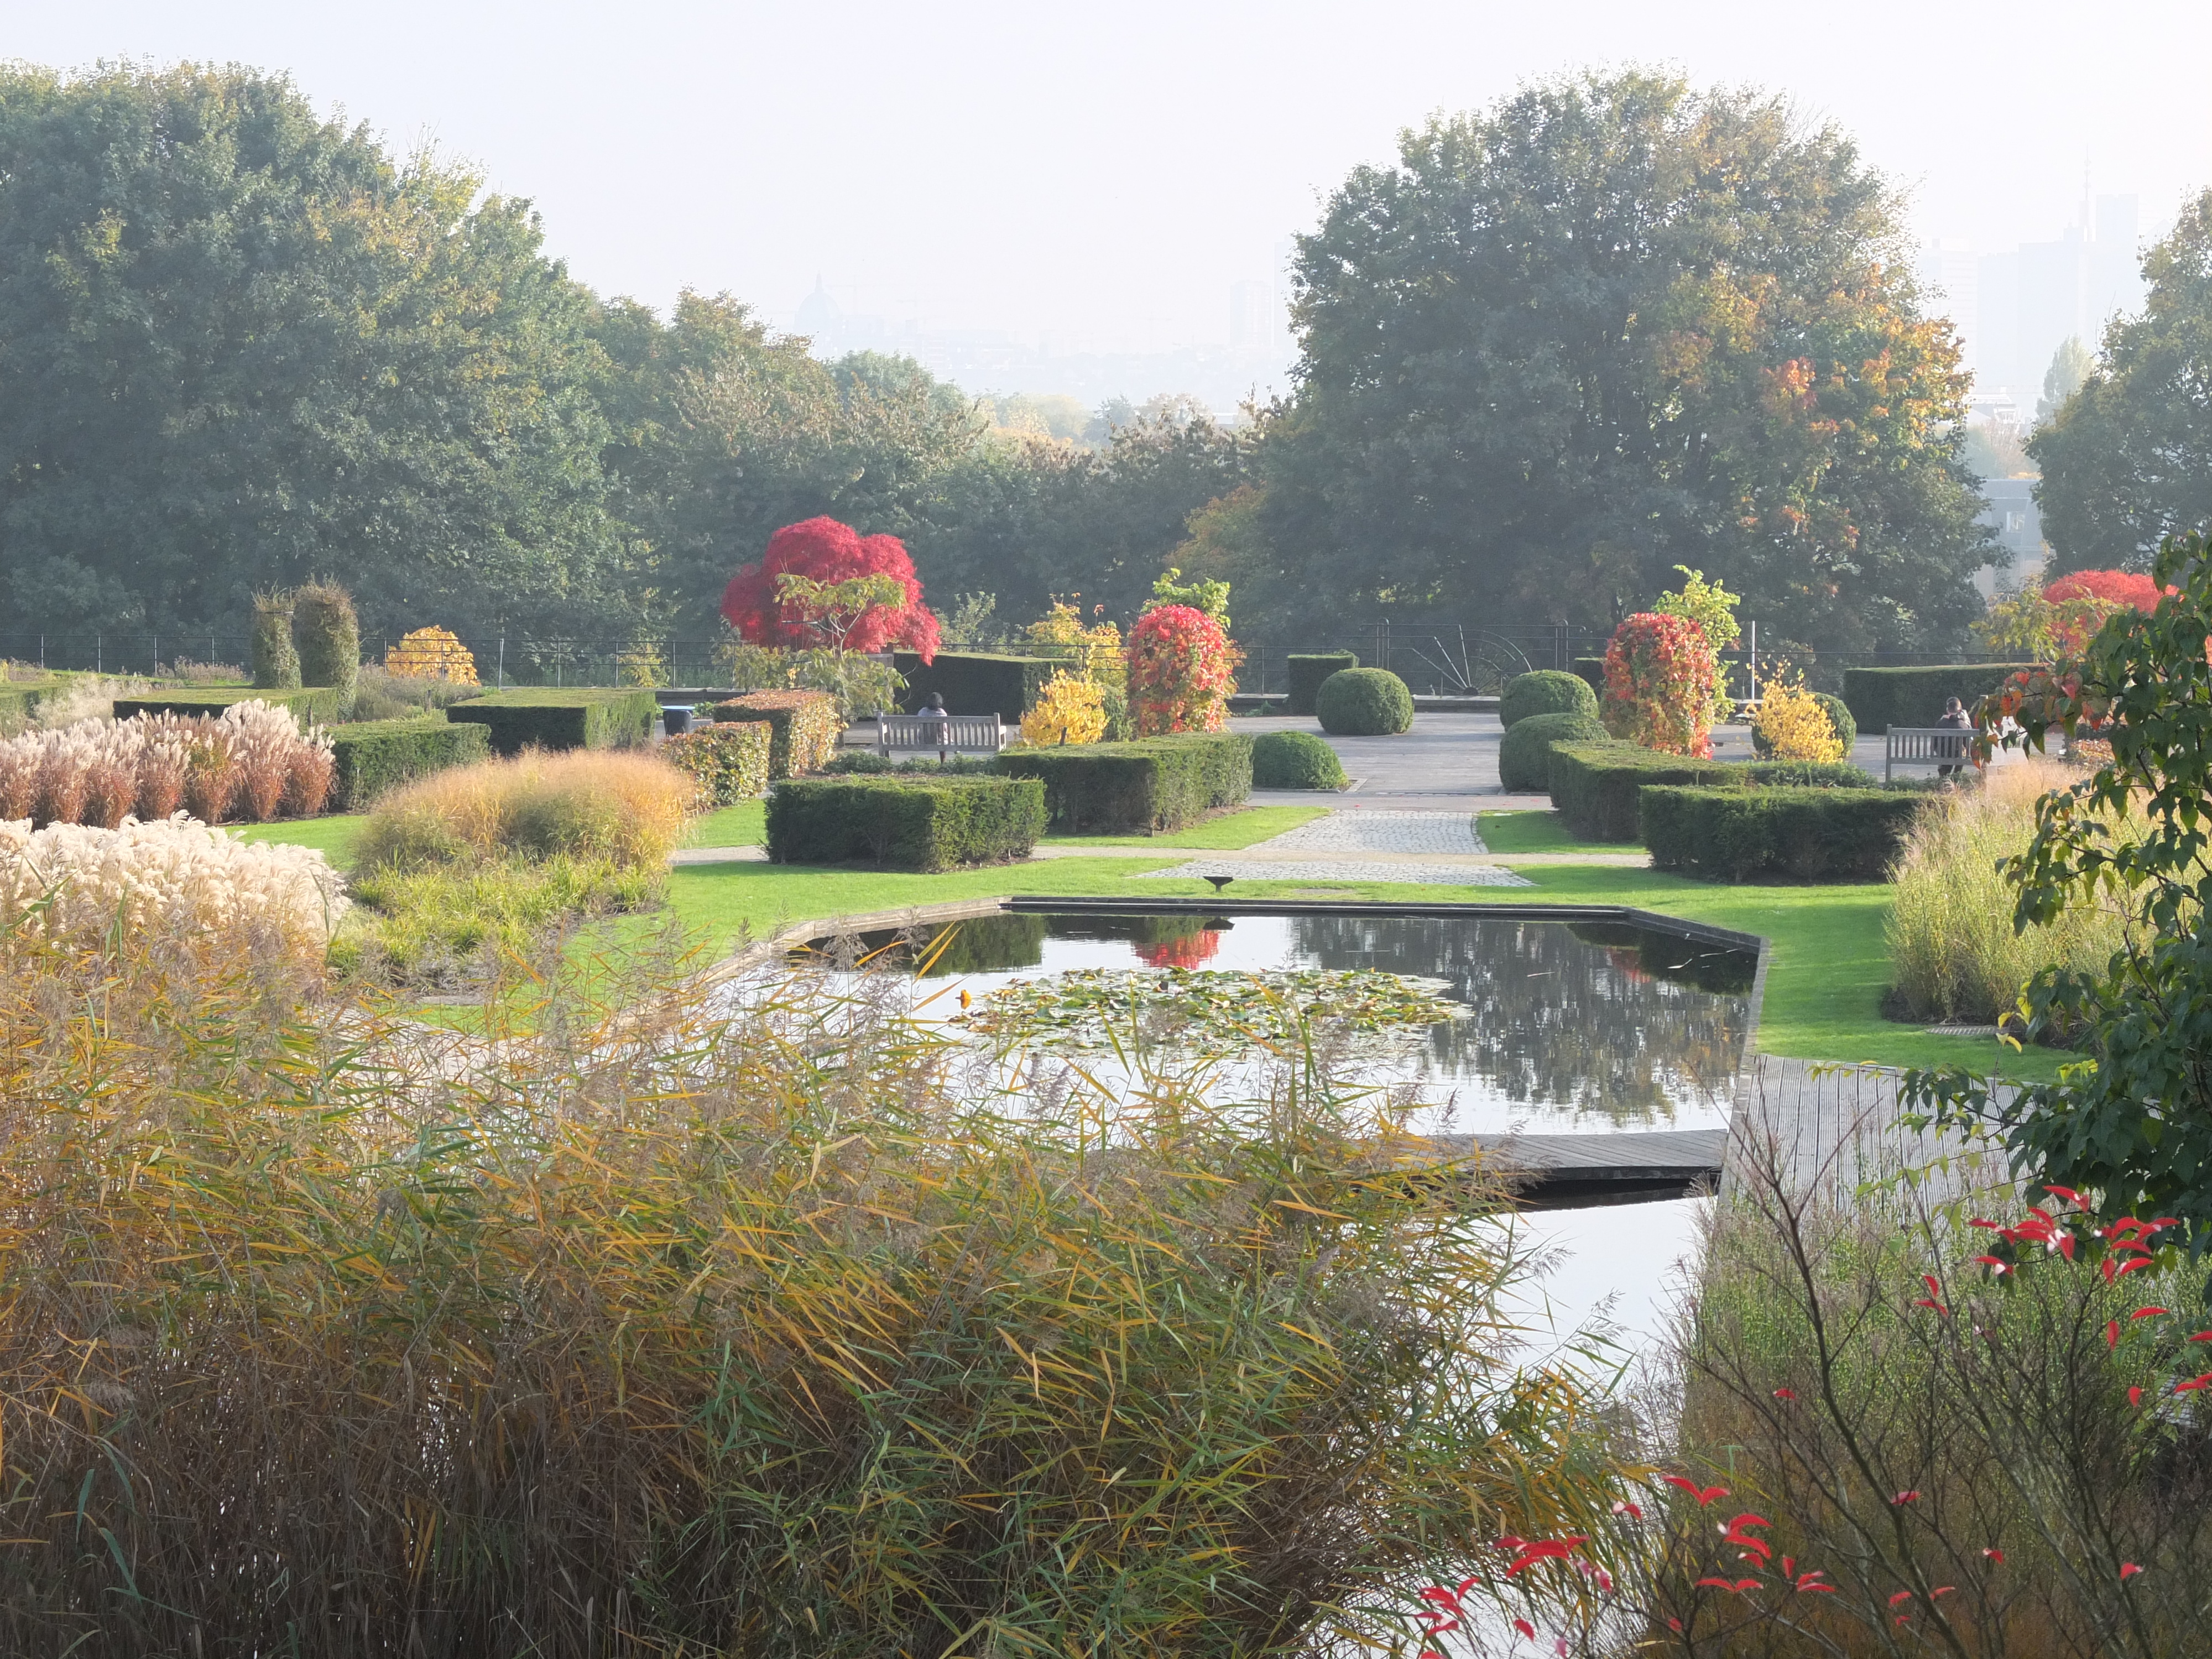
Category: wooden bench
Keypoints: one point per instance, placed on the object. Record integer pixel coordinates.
(1925, 745)
(945, 733)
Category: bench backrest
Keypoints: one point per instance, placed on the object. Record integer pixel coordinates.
(1925, 745)
(985, 732)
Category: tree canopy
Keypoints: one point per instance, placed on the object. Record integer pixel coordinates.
(2127, 460)
(1610, 326)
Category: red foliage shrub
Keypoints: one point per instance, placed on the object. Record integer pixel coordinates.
(825, 550)
(1659, 678)
(1182, 669)
(2126, 587)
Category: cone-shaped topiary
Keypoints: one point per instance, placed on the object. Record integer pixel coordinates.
(1546, 691)
(327, 635)
(1365, 702)
(1524, 756)
(275, 663)
(1294, 760)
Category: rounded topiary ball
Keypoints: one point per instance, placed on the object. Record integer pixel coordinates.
(1546, 691)
(1840, 717)
(1294, 760)
(1524, 755)
(1365, 702)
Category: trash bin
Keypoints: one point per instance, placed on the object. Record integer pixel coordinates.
(676, 719)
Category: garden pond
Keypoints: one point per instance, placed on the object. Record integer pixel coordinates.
(1498, 1022)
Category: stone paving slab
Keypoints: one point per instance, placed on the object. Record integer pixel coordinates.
(1345, 870)
(1449, 833)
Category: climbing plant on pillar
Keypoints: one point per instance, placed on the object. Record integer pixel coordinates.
(1659, 673)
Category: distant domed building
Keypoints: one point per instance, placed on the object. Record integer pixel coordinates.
(818, 314)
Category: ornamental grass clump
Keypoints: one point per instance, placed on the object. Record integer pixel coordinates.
(757, 1327)
(251, 761)
(629, 809)
(1955, 952)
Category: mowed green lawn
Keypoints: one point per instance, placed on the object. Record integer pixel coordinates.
(1825, 978)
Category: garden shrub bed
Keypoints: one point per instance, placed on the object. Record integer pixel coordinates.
(1593, 784)
(976, 682)
(1879, 698)
(728, 760)
(802, 727)
(910, 822)
(323, 705)
(1524, 754)
(1734, 834)
(1309, 672)
(557, 717)
(371, 756)
(1365, 702)
(1545, 691)
(1146, 788)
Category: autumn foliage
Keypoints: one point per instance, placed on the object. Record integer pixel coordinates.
(1182, 669)
(2115, 588)
(825, 550)
(1659, 677)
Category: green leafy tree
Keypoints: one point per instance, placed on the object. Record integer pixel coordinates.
(2071, 365)
(243, 345)
(2131, 1124)
(1610, 325)
(2127, 460)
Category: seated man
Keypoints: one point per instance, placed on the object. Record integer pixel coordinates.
(1955, 716)
(933, 713)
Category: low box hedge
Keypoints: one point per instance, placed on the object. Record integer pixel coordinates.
(1142, 788)
(1309, 671)
(1593, 784)
(802, 727)
(313, 705)
(1880, 698)
(19, 700)
(1797, 835)
(728, 760)
(906, 822)
(561, 717)
(372, 757)
(976, 682)
(1295, 760)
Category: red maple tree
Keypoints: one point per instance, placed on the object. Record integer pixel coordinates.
(2126, 587)
(825, 550)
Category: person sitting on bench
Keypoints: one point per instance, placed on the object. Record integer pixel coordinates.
(1955, 718)
(933, 713)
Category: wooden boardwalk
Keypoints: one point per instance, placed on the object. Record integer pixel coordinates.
(1552, 1172)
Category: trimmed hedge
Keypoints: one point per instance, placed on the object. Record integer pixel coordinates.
(1524, 754)
(1143, 788)
(19, 700)
(371, 756)
(1879, 698)
(1806, 774)
(802, 727)
(1363, 702)
(561, 717)
(1309, 672)
(1546, 691)
(317, 705)
(728, 760)
(910, 822)
(1591, 671)
(1798, 835)
(1593, 784)
(1839, 716)
(976, 682)
(1294, 760)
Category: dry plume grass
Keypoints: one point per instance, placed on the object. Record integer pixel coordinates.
(627, 808)
(1951, 935)
(739, 1334)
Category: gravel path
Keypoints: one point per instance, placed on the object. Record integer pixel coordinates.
(1451, 834)
(1343, 870)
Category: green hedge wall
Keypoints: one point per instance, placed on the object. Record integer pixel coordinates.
(558, 717)
(976, 682)
(318, 705)
(1593, 784)
(375, 756)
(1294, 760)
(1309, 671)
(19, 700)
(728, 760)
(1143, 788)
(1798, 835)
(1880, 698)
(909, 822)
(802, 727)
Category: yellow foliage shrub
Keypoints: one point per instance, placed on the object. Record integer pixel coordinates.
(432, 653)
(1096, 651)
(1067, 710)
(1792, 726)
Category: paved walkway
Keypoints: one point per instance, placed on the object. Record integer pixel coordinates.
(1342, 870)
(1449, 833)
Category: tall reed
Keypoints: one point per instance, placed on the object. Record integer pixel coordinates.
(1951, 938)
(764, 1331)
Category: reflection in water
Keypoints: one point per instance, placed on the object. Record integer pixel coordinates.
(1560, 1020)
(1580, 1025)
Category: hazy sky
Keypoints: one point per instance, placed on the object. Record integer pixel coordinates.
(1105, 172)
